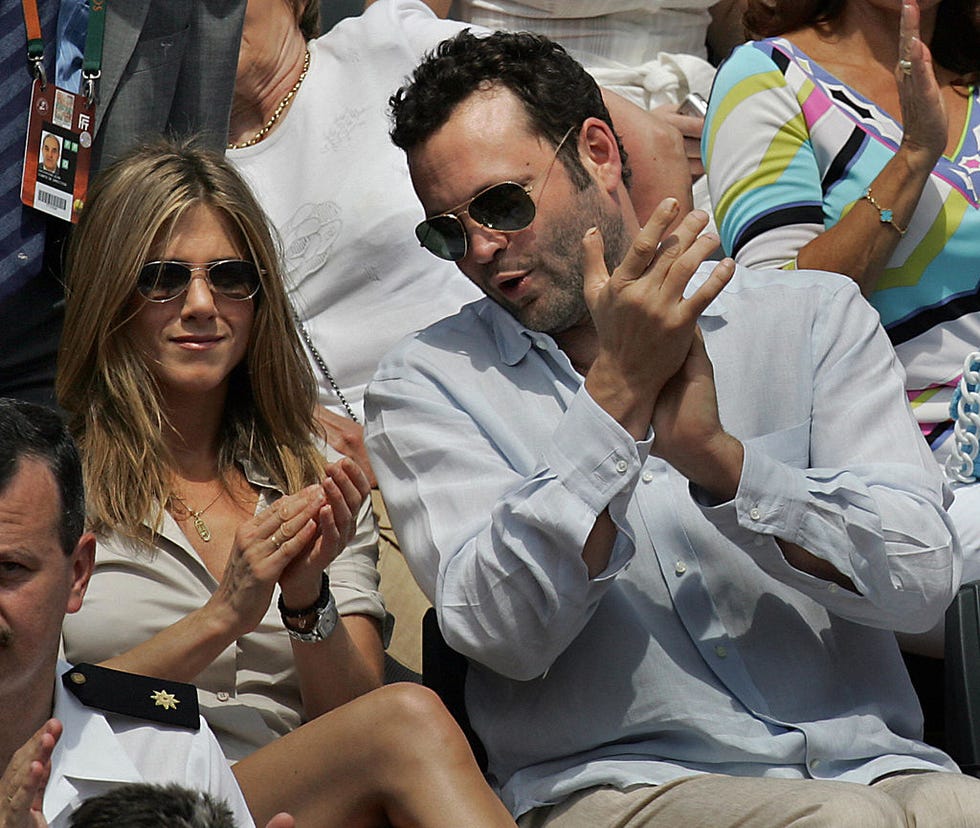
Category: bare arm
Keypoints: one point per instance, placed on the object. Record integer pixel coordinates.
(862, 242)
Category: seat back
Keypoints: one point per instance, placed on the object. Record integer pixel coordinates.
(444, 671)
(963, 678)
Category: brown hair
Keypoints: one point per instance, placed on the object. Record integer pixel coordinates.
(103, 380)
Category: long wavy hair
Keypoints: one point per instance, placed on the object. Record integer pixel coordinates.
(104, 381)
(955, 42)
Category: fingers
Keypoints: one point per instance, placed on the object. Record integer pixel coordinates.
(27, 773)
(290, 523)
(646, 245)
(595, 273)
(721, 274)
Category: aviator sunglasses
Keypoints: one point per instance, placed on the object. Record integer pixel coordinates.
(505, 207)
(232, 278)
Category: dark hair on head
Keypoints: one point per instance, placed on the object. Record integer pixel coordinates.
(28, 430)
(955, 41)
(140, 805)
(557, 93)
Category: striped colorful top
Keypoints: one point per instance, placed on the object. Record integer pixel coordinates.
(790, 149)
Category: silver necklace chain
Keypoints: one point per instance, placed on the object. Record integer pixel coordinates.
(322, 365)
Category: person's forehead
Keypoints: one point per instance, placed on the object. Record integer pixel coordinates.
(30, 503)
(486, 139)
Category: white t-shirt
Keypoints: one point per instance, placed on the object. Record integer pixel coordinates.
(338, 192)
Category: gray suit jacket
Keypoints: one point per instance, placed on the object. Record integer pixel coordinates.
(168, 67)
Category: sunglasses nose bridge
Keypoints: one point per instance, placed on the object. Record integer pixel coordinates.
(483, 242)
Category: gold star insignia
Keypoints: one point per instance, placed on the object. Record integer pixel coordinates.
(161, 698)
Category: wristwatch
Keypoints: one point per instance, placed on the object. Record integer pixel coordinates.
(313, 623)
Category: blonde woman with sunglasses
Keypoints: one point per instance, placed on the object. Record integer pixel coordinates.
(236, 551)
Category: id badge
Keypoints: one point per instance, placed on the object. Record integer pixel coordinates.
(58, 152)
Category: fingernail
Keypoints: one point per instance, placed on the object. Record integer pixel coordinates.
(670, 205)
(591, 231)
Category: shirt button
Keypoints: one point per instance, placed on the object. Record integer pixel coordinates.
(680, 567)
(759, 540)
(647, 476)
(754, 513)
(721, 652)
(814, 764)
(832, 588)
(622, 466)
(222, 696)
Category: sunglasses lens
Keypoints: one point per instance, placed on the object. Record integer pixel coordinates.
(235, 279)
(444, 236)
(506, 207)
(161, 281)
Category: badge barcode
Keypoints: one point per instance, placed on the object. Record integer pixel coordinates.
(52, 200)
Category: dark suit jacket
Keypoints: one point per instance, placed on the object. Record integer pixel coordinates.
(168, 67)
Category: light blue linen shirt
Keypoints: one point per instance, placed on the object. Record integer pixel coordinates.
(699, 648)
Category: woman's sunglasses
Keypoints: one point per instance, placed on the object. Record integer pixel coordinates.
(506, 208)
(232, 278)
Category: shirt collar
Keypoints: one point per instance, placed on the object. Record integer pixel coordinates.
(87, 750)
(514, 340)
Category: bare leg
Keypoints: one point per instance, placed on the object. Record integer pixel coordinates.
(393, 756)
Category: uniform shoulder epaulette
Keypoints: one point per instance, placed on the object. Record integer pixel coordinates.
(128, 694)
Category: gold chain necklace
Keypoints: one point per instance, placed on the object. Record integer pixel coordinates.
(199, 524)
(279, 109)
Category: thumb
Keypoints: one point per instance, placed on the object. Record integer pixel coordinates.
(595, 275)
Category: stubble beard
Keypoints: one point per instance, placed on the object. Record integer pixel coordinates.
(562, 305)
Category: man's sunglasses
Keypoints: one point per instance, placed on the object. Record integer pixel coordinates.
(232, 278)
(506, 208)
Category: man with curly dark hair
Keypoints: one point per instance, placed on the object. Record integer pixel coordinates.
(628, 496)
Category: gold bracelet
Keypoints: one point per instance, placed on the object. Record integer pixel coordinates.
(885, 216)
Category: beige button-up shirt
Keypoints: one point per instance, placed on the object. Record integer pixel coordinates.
(249, 694)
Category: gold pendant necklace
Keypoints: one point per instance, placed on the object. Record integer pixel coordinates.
(199, 524)
(279, 109)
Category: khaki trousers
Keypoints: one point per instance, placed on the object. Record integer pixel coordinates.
(923, 800)
(401, 594)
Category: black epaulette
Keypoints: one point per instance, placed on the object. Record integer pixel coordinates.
(141, 697)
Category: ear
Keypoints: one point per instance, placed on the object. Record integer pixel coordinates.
(599, 152)
(82, 564)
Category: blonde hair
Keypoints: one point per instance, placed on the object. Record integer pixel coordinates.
(114, 405)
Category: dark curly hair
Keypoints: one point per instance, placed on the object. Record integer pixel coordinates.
(955, 41)
(556, 91)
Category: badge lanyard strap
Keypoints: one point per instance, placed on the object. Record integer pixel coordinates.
(94, 38)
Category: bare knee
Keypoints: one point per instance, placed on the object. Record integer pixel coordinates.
(412, 716)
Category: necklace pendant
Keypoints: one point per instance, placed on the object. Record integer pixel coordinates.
(202, 528)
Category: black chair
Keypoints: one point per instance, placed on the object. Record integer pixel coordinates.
(444, 671)
(962, 678)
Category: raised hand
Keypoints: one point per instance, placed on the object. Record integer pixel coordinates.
(264, 546)
(687, 429)
(345, 487)
(23, 780)
(644, 323)
(924, 119)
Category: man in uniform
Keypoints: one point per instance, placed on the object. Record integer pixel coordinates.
(67, 734)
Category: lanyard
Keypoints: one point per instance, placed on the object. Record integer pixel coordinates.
(94, 38)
